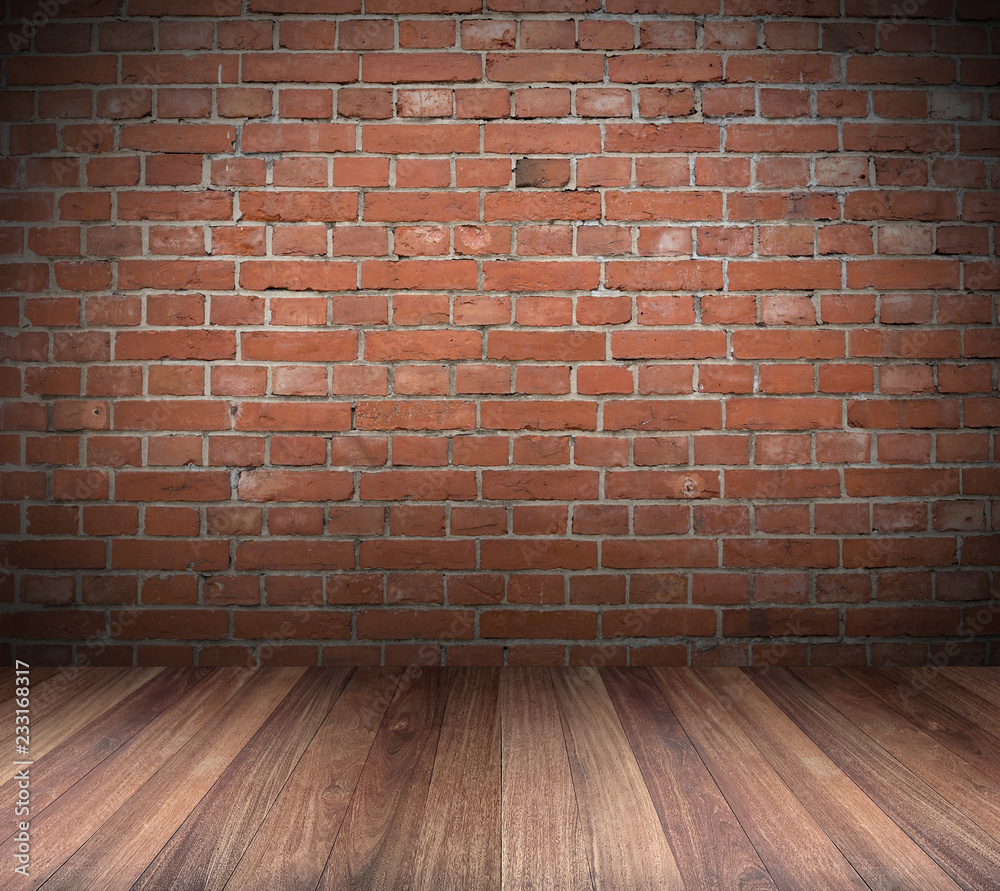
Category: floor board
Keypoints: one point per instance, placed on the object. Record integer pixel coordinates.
(972, 706)
(377, 840)
(51, 726)
(936, 719)
(984, 682)
(542, 841)
(623, 838)
(463, 801)
(520, 779)
(53, 773)
(962, 848)
(202, 854)
(711, 849)
(948, 774)
(37, 675)
(291, 847)
(115, 856)
(792, 845)
(882, 854)
(60, 828)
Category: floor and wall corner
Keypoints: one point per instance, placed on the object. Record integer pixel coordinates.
(517, 443)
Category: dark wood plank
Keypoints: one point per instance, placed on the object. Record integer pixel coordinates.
(793, 847)
(459, 845)
(114, 857)
(376, 842)
(55, 772)
(621, 829)
(953, 777)
(291, 847)
(982, 680)
(963, 702)
(712, 851)
(59, 829)
(56, 726)
(938, 721)
(962, 848)
(883, 855)
(541, 838)
(203, 853)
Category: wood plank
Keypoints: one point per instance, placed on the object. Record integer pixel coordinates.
(291, 847)
(712, 851)
(61, 690)
(118, 853)
(942, 689)
(953, 777)
(793, 847)
(982, 680)
(58, 830)
(203, 853)
(883, 855)
(55, 772)
(938, 721)
(66, 684)
(37, 676)
(459, 845)
(621, 829)
(376, 842)
(58, 725)
(542, 841)
(962, 848)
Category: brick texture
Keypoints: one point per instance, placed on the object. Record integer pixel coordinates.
(503, 332)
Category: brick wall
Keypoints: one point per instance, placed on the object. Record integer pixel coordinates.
(531, 331)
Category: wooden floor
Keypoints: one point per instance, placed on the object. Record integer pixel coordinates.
(514, 778)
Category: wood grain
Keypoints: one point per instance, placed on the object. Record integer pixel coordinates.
(117, 854)
(953, 777)
(981, 680)
(55, 772)
(542, 842)
(52, 725)
(202, 854)
(937, 720)
(377, 839)
(294, 779)
(59, 829)
(624, 841)
(971, 707)
(712, 851)
(459, 844)
(37, 676)
(792, 845)
(65, 685)
(292, 845)
(962, 848)
(883, 855)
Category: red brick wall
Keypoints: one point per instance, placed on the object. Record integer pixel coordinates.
(429, 330)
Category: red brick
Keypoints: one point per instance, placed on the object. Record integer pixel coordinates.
(515, 415)
(544, 67)
(771, 553)
(517, 138)
(300, 67)
(655, 553)
(411, 623)
(777, 413)
(662, 415)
